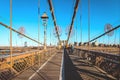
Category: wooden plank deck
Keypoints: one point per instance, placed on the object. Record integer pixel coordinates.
(50, 70)
(79, 69)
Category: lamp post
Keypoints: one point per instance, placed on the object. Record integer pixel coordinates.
(44, 17)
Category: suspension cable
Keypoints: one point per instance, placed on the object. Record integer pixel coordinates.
(53, 17)
(73, 17)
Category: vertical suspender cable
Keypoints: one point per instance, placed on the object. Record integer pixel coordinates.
(76, 32)
(11, 34)
(50, 40)
(119, 40)
(115, 37)
(88, 23)
(81, 21)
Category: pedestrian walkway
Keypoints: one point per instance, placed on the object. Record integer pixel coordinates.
(78, 69)
(50, 70)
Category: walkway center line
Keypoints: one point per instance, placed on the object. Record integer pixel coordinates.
(41, 67)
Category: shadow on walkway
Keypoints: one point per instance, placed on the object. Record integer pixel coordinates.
(70, 70)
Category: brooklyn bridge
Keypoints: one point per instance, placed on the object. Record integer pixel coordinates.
(59, 40)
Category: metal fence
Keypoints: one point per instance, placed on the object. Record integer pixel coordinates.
(21, 62)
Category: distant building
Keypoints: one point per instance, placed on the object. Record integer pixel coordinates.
(95, 44)
(101, 45)
(80, 44)
(75, 43)
(25, 44)
(85, 44)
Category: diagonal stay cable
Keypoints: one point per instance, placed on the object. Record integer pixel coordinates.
(105, 33)
(20, 33)
(73, 18)
(54, 20)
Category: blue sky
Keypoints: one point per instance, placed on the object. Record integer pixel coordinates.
(25, 14)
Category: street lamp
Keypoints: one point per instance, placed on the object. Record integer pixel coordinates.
(44, 17)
